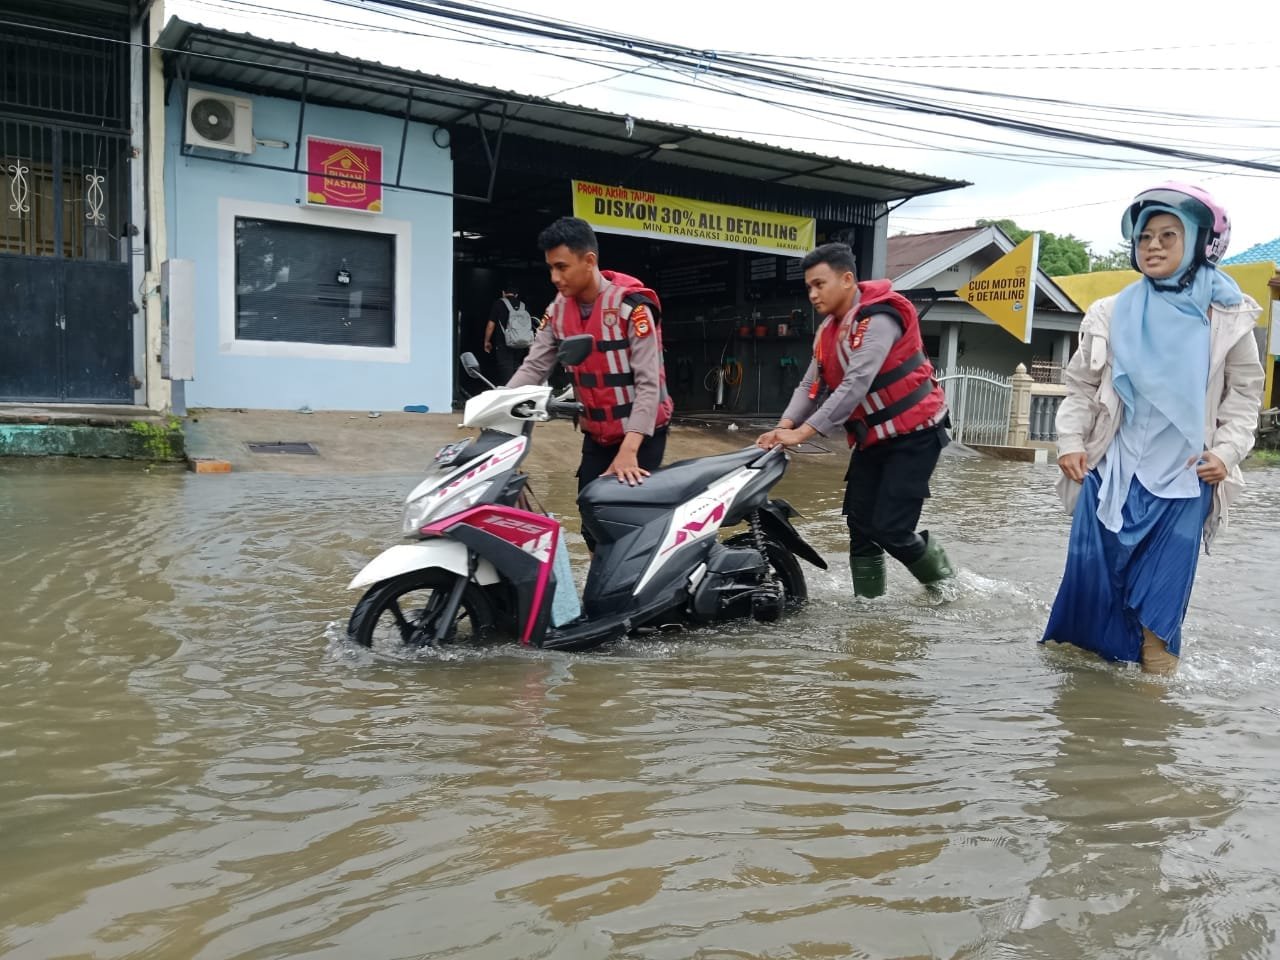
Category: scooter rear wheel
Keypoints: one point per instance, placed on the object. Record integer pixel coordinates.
(405, 610)
(783, 563)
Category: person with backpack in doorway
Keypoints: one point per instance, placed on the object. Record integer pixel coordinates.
(509, 332)
(622, 386)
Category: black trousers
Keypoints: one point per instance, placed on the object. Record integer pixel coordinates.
(596, 459)
(506, 360)
(886, 487)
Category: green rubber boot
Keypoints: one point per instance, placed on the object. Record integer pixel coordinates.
(934, 565)
(868, 575)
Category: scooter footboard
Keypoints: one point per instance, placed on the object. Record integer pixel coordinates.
(408, 557)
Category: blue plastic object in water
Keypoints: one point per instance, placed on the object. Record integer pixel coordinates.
(565, 605)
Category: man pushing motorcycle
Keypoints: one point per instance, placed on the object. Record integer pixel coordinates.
(622, 384)
(870, 379)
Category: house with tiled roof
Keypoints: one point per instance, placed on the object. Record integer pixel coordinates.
(1268, 252)
(929, 268)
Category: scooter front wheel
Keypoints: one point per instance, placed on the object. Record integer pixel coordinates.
(406, 610)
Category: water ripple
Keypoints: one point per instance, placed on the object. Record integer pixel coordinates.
(198, 765)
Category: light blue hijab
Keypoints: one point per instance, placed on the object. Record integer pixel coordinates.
(1160, 337)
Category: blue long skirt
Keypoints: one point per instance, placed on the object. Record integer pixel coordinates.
(1117, 583)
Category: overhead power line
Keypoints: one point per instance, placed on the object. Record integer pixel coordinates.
(1004, 107)
(711, 63)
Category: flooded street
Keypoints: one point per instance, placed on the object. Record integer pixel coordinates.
(197, 765)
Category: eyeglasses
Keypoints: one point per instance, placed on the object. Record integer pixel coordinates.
(1167, 237)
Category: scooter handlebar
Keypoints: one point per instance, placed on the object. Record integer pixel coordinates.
(564, 408)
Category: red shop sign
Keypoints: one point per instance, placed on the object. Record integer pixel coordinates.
(342, 175)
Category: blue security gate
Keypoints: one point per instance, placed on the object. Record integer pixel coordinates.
(66, 298)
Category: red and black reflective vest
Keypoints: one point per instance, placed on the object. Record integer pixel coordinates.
(904, 396)
(604, 383)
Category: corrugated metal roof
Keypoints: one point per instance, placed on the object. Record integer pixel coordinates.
(243, 61)
(1268, 252)
(58, 8)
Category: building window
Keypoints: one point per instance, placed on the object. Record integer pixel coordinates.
(932, 347)
(306, 283)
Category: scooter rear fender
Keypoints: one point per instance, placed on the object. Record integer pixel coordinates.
(409, 557)
(775, 518)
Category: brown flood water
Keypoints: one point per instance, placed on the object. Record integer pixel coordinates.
(195, 765)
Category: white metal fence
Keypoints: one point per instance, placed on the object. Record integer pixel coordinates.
(979, 402)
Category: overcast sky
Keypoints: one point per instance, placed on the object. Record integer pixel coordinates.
(1221, 70)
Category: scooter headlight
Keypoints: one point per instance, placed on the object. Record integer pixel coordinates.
(422, 510)
(415, 514)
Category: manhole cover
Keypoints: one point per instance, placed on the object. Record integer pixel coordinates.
(282, 446)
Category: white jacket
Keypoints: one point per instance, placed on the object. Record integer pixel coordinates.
(1089, 415)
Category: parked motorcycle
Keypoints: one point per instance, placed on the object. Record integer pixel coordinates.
(480, 562)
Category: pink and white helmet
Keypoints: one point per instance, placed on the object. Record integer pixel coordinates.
(1196, 205)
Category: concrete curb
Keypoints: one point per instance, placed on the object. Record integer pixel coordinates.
(114, 438)
(1020, 454)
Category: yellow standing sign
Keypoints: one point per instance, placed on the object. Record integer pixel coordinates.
(1006, 290)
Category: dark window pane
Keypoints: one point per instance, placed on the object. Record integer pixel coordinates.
(289, 284)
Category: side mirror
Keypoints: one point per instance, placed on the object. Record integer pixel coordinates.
(471, 365)
(573, 350)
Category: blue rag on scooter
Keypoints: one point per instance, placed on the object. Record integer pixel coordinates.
(565, 605)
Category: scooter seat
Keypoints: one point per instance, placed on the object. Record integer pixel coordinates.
(671, 484)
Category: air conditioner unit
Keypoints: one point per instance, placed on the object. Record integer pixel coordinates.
(219, 122)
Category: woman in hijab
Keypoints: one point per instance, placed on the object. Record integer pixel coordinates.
(1162, 404)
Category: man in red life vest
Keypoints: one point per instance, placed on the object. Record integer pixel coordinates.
(871, 380)
(622, 385)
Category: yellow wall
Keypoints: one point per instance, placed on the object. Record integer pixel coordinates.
(1084, 288)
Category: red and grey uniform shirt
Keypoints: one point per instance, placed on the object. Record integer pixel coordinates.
(904, 396)
(605, 383)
